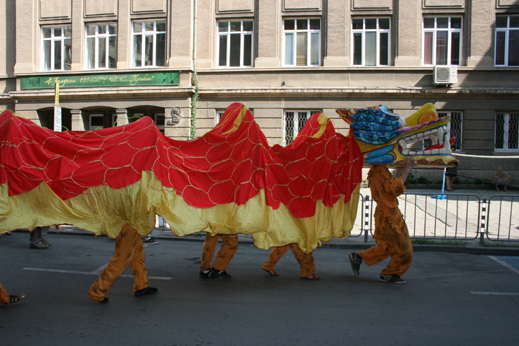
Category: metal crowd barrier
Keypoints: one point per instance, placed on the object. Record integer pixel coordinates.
(450, 217)
(444, 217)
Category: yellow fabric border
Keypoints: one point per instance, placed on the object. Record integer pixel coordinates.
(104, 210)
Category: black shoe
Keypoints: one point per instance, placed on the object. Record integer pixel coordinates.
(222, 273)
(209, 274)
(391, 278)
(148, 239)
(145, 291)
(355, 261)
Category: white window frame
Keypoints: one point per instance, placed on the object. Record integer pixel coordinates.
(309, 32)
(450, 31)
(510, 27)
(507, 141)
(161, 127)
(296, 125)
(96, 37)
(53, 40)
(219, 113)
(378, 31)
(243, 35)
(154, 33)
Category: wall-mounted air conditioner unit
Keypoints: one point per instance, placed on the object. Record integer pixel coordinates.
(445, 74)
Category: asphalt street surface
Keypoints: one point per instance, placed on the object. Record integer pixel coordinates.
(449, 299)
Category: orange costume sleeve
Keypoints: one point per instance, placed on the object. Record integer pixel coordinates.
(4, 296)
(391, 232)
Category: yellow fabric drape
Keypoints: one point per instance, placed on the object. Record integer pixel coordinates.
(104, 210)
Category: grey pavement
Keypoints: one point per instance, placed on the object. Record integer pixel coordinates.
(449, 299)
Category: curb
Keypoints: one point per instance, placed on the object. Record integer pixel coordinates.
(495, 251)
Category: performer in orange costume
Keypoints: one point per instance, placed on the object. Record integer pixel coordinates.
(223, 258)
(128, 251)
(391, 232)
(306, 261)
(6, 298)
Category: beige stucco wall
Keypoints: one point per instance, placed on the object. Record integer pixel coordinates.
(269, 88)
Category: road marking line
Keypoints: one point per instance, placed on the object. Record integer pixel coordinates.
(496, 293)
(90, 273)
(515, 270)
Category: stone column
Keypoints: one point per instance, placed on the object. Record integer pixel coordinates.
(122, 116)
(269, 26)
(338, 39)
(77, 120)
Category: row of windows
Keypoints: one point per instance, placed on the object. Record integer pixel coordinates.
(506, 134)
(442, 39)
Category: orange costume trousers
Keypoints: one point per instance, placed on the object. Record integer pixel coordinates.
(4, 296)
(129, 251)
(224, 256)
(306, 261)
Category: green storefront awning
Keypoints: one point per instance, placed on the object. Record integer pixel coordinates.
(101, 80)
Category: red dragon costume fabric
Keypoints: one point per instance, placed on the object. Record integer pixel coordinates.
(228, 181)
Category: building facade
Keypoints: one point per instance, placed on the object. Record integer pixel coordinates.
(182, 62)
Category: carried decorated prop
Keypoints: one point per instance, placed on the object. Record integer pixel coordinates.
(390, 139)
(228, 181)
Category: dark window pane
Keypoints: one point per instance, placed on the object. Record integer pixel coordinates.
(357, 23)
(102, 29)
(371, 23)
(501, 22)
(441, 47)
(383, 23)
(301, 120)
(500, 47)
(384, 49)
(161, 26)
(442, 22)
(161, 50)
(222, 26)
(247, 50)
(57, 55)
(46, 32)
(235, 26)
(513, 48)
(315, 24)
(222, 59)
(112, 29)
(357, 49)
(247, 26)
(91, 29)
(514, 21)
(456, 23)
(513, 131)
(235, 50)
(455, 48)
(500, 130)
(428, 48)
(289, 24)
(302, 24)
(428, 23)
(112, 52)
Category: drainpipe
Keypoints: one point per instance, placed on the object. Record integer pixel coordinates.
(194, 79)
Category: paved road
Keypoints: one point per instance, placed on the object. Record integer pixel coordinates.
(450, 299)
